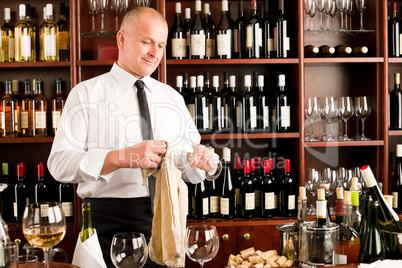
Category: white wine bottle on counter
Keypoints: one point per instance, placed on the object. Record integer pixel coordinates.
(86, 230)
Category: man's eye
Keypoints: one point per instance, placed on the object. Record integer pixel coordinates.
(146, 42)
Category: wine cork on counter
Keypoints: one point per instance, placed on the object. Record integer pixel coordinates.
(347, 197)
(339, 193)
(302, 193)
(281, 260)
(389, 199)
(320, 194)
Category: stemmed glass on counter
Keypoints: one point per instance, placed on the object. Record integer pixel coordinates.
(44, 226)
(202, 243)
(129, 250)
(362, 111)
(312, 183)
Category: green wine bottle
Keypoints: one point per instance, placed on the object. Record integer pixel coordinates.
(86, 228)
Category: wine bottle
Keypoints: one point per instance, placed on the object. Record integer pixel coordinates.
(186, 87)
(201, 107)
(178, 36)
(207, 85)
(301, 209)
(7, 195)
(24, 38)
(16, 94)
(247, 193)
(39, 110)
(40, 186)
(360, 51)
(239, 34)
(233, 108)
(63, 30)
(287, 194)
(213, 195)
(257, 186)
(395, 105)
(187, 29)
(356, 215)
(267, 192)
(268, 33)
(210, 33)
(227, 198)
(321, 209)
(200, 202)
(275, 180)
(311, 51)
(32, 26)
(339, 205)
(21, 198)
(364, 222)
(191, 98)
(249, 108)
(66, 198)
(394, 29)
(8, 112)
(225, 90)
(326, 51)
(254, 87)
(49, 49)
(7, 51)
(26, 110)
(388, 219)
(282, 107)
(86, 222)
(179, 85)
(325, 186)
(342, 51)
(349, 239)
(238, 180)
(224, 37)
(253, 33)
(397, 181)
(372, 247)
(282, 41)
(215, 106)
(262, 106)
(58, 102)
(198, 38)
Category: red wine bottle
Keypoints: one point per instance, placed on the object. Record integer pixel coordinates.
(178, 36)
(238, 180)
(210, 32)
(253, 33)
(267, 193)
(239, 35)
(247, 193)
(227, 198)
(187, 29)
(282, 107)
(198, 36)
(40, 186)
(287, 194)
(200, 201)
(395, 104)
(268, 33)
(254, 174)
(21, 198)
(224, 37)
(233, 108)
(397, 181)
(394, 27)
(282, 40)
(215, 107)
(66, 198)
(249, 107)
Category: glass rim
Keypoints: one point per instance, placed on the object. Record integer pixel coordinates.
(127, 234)
(204, 226)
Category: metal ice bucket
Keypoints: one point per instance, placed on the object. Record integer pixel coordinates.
(289, 241)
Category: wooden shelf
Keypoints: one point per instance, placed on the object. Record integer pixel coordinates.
(27, 140)
(395, 60)
(344, 143)
(232, 61)
(345, 60)
(34, 64)
(236, 136)
(95, 62)
(244, 222)
(395, 132)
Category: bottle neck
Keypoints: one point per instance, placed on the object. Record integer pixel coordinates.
(86, 217)
(302, 210)
(347, 217)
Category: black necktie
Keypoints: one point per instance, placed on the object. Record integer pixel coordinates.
(146, 130)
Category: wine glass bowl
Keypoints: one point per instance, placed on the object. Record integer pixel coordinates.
(346, 111)
(129, 250)
(202, 243)
(44, 226)
(312, 112)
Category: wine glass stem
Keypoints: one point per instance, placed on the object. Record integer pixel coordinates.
(46, 252)
(103, 22)
(363, 128)
(341, 20)
(328, 22)
(346, 128)
(357, 126)
(93, 23)
(312, 129)
(308, 22)
(117, 23)
(320, 21)
(361, 20)
(329, 129)
(201, 264)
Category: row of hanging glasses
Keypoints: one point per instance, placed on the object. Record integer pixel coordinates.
(330, 108)
(346, 10)
(116, 6)
(334, 178)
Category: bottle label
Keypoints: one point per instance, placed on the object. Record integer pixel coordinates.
(395, 200)
(25, 44)
(222, 118)
(339, 208)
(276, 201)
(249, 36)
(67, 208)
(198, 44)
(11, 48)
(253, 114)
(224, 206)
(40, 119)
(271, 46)
(257, 198)
(285, 116)
(265, 112)
(321, 209)
(191, 109)
(270, 200)
(44, 210)
(400, 43)
(214, 204)
(24, 119)
(237, 196)
(178, 48)
(17, 117)
(238, 116)
(64, 38)
(55, 119)
(205, 113)
(223, 42)
(260, 37)
(15, 207)
(1, 40)
(49, 43)
(188, 38)
(210, 48)
(250, 199)
(286, 44)
(291, 202)
(205, 206)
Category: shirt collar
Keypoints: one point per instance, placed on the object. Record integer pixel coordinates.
(126, 80)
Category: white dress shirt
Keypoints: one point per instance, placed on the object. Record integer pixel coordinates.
(102, 114)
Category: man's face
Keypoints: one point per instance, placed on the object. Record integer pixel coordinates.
(142, 49)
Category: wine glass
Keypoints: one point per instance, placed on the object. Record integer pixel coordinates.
(202, 243)
(129, 250)
(351, 11)
(361, 6)
(93, 9)
(346, 12)
(307, 9)
(362, 110)
(321, 6)
(115, 7)
(341, 7)
(312, 183)
(102, 9)
(332, 12)
(327, 9)
(125, 5)
(312, 111)
(313, 11)
(330, 109)
(346, 111)
(44, 226)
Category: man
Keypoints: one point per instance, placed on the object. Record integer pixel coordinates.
(100, 145)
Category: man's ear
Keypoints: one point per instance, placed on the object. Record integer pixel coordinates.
(120, 39)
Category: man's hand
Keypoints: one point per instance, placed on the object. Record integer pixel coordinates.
(203, 158)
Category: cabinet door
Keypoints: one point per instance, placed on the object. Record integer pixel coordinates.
(260, 237)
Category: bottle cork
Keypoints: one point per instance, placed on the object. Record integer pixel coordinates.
(354, 184)
(389, 199)
(324, 186)
(347, 197)
(302, 193)
(320, 194)
(339, 193)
